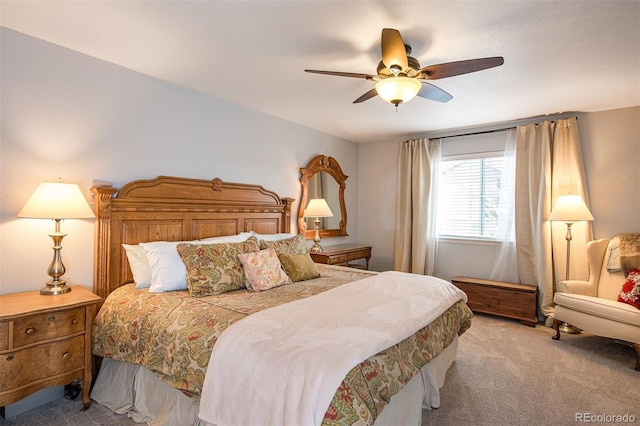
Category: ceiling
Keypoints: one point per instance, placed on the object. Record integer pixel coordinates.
(558, 55)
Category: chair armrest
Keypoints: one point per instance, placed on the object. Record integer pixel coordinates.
(584, 288)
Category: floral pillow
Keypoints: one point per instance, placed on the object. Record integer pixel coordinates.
(630, 292)
(263, 269)
(215, 268)
(165, 266)
(293, 245)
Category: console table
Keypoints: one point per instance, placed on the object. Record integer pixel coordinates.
(344, 255)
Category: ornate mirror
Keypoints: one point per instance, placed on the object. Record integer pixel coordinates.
(323, 178)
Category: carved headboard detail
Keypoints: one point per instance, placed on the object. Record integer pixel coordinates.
(176, 209)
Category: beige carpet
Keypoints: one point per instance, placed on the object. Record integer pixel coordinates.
(510, 374)
(505, 374)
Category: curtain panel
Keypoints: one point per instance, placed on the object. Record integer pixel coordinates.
(548, 164)
(415, 236)
(505, 267)
(568, 178)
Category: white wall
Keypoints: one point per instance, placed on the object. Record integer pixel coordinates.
(72, 116)
(611, 151)
(377, 200)
(69, 115)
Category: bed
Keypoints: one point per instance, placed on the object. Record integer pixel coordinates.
(153, 349)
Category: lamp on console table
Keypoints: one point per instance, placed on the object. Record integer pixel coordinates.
(56, 201)
(570, 209)
(317, 208)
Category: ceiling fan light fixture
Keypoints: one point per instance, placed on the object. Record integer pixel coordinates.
(397, 90)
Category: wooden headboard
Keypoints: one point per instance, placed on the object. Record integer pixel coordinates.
(176, 209)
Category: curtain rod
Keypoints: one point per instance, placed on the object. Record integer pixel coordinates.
(482, 132)
(496, 127)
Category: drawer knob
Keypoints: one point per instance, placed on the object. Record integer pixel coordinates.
(10, 357)
(52, 318)
(74, 321)
(30, 331)
(66, 355)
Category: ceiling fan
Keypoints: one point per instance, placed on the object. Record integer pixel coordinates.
(400, 78)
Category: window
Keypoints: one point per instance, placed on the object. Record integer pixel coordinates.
(469, 196)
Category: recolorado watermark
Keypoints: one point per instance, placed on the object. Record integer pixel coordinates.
(604, 418)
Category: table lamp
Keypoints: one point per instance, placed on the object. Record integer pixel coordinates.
(317, 208)
(56, 201)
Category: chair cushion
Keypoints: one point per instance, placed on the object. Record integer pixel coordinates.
(597, 306)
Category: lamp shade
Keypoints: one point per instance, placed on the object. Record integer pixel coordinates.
(397, 90)
(57, 201)
(318, 207)
(570, 208)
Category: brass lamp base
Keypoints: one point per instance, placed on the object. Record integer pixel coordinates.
(567, 328)
(55, 288)
(56, 270)
(317, 248)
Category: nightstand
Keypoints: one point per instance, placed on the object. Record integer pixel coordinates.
(344, 255)
(45, 341)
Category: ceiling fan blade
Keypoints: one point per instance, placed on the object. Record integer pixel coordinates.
(342, 74)
(434, 93)
(394, 54)
(370, 94)
(449, 69)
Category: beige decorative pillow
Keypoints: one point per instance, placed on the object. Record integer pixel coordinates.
(263, 269)
(293, 245)
(299, 267)
(215, 268)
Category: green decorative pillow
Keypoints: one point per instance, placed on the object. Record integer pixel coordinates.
(299, 267)
(215, 268)
(293, 245)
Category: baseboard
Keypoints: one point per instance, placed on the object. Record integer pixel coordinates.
(36, 399)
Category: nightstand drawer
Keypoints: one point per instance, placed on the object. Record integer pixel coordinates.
(4, 335)
(37, 328)
(341, 258)
(360, 254)
(40, 362)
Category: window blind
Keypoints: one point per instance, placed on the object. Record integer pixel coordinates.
(469, 197)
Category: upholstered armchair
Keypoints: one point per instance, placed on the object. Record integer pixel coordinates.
(592, 305)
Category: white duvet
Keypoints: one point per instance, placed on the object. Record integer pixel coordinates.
(282, 366)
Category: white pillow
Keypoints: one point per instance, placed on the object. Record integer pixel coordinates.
(168, 272)
(139, 265)
(273, 237)
(238, 238)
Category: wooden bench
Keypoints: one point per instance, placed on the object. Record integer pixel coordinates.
(510, 300)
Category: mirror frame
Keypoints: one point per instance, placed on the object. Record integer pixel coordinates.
(317, 164)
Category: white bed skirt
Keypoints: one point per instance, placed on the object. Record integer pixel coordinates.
(135, 390)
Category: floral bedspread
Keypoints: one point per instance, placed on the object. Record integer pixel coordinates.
(369, 386)
(173, 333)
